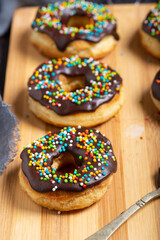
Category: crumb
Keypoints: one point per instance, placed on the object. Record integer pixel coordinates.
(141, 137)
(59, 212)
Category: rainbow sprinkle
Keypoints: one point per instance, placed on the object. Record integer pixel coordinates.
(49, 17)
(93, 151)
(152, 23)
(105, 84)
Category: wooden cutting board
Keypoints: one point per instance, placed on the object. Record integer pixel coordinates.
(135, 136)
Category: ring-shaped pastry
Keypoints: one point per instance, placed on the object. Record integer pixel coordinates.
(150, 32)
(155, 90)
(55, 33)
(94, 164)
(98, 100)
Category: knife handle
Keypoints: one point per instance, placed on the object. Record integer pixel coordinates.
(109, 229)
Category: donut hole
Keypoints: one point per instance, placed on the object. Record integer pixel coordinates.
(78, 21)
(65, 163)
(70, 84)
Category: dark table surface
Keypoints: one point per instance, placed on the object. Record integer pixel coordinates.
(4, 40)
(4, 43)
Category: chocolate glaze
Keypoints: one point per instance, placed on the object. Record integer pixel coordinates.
(68, 106)
(149, 28)
(46, 186)
(62, 40)
(156, 86)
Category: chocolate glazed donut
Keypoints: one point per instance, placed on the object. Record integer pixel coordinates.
(155, 90)
(156, 86)
(52, 20)
(101, 85)
(92, 154)
(150, 32)
(151, 23)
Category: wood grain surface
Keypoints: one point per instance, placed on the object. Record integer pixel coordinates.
(134, 133)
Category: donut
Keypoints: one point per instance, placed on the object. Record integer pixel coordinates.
(155, 90)
(68, 169)
(86, 102)
(74, 28)
(150, 32)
